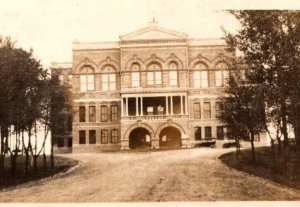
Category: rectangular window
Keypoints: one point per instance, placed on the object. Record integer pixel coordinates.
(92, 114)
(90, 82)
(108, 82)
(204, 79)
(87, 83)
(157, 77)
(104, 136)
(135, 79)
(83, 83)
(173, 78)
(207, 132)
(197, 112)
(220, 132)
(150, 78)
(114, 136)
(104, 117)
(104, 82)
(218, 109)
(112, 82)
(154, 78)
(225, 77)
(197, 79)
(92, 136)
(81, 137)
(219, 78)
(81, 113)
(197, 133)
(207, 112)
(114, 113)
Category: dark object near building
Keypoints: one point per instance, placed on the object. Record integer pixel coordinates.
(207, 142)
(230, 144)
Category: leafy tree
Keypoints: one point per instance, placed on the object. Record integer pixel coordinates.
(269, 44)
(60, 111)
(243, 111)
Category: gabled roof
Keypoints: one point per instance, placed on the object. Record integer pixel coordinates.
(153, 31)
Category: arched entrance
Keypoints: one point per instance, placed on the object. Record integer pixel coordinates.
(170, 137)
(139, 138)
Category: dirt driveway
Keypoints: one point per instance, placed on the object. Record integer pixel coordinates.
(177, 175)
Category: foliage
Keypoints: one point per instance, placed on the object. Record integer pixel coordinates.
(268, 42)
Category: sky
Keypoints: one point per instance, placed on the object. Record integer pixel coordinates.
(50, 26)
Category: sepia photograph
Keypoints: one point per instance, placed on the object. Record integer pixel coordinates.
(149, 103)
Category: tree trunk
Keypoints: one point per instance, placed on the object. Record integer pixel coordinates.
(35, 166)
(13, 160)
(252, 147)
(237, 148)
(26, 162)
(52, 154)
(284, 125)
(44, 160)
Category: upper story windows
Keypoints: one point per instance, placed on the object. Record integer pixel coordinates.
(154, 74)
(222, 74)
(135, 75)
(108, 79)
(173, 80)
(87, 80)
(200, 76)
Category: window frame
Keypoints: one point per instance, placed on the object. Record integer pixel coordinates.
(104, 113)
(114, 113)
(197, 131)
(92, 132)
(82, 114)
(114, 136)
(82, 137)
(207, 112)
(104, 136)
(92, 115)
(173, 81)
(207, 131)
(196, 112)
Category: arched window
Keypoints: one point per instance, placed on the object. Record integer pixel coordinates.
(154, 74)
(200, 76)
(135, 75)
(87, 79)
(108, 79)
(222, 74)
(173, 80)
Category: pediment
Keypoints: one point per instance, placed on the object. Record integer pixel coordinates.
(153, 33)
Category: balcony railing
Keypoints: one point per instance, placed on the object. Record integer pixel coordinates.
(155, 117)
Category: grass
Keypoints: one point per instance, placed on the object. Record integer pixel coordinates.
(282, 168)
(61, 164)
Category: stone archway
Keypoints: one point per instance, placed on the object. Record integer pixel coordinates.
(170, 137)
(139, 138)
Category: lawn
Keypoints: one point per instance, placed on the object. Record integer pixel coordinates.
(282, 168)
(8, 180)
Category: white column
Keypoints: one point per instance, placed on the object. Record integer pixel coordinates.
(122, 107)
(126, 106)
(142, 106)
(181, 105)
(136, 106)
(186, 105)
(167, 105)
(171, 105)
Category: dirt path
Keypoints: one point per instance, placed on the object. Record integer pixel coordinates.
(179, 175)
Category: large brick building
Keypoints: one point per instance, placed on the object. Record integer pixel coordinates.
(153, 88)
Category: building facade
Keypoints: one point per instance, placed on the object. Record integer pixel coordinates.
(154, 88)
